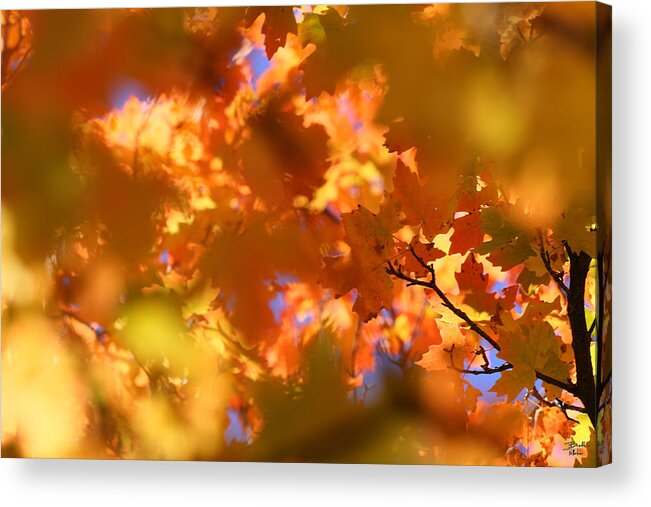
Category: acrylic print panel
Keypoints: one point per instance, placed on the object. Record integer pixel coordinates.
(364, 234)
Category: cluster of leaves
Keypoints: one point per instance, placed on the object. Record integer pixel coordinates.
(270, 234)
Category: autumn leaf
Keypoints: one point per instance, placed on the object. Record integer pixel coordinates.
(578, 228)
(435, 359)
(467, 233)
(278, 22)
(473, 283)
(419, 202)
(245, 264)
(422, 253)
(517, 26)
(282, 158)
(370, 239)
(510, 240)
(529, 349)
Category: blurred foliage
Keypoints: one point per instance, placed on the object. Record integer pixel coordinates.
(199, 206)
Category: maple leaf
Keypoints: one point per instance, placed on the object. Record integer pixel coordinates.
(329, 63)
(244, 264)
(130, 227)
(517, 26)
(435, 359)
(578, 227)
(419, 203)
(342, 44)
(370, 238)
(508, 297)
(278, 22)
(529, 348)
(473, 283)
(426, 252)
(533, 274)
(510, 241)
(453, 39)
(427, 335)
(199, 298)
(476, 191)
(467, 233)
(282, 158)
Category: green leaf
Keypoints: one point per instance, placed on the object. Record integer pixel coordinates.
(509, 244)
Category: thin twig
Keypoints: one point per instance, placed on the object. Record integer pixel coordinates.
(431, 284)
(486, 369)
(556, 275)
(397, 272)
(558, 403)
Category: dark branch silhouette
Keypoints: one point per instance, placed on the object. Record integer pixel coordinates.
(556, 275)
(397, 271)
(486, 369)
(558, 403)
(584, 388)
(585, 381)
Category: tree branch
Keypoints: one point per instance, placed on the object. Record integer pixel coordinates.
(558, 403)
(585, 380)
(556, 275)
(397, 272)
(486, 369)
(567, 386)
(592, 326)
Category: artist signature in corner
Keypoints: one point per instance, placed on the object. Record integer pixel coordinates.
(575, 448)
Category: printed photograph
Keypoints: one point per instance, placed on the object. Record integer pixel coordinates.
(336, 234)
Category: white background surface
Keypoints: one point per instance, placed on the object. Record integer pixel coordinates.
(627, 482)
